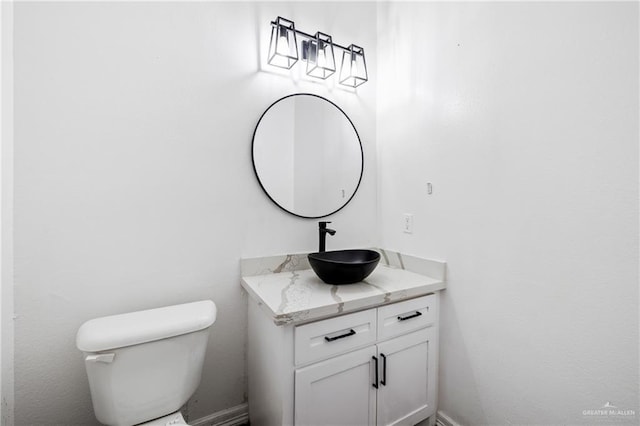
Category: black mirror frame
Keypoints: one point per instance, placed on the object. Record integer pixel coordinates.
(255, 170)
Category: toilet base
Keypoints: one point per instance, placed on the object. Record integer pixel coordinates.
(170, 420)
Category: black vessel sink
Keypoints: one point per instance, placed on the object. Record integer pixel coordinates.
(344, 266)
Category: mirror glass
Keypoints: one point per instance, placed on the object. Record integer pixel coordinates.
(307, 155)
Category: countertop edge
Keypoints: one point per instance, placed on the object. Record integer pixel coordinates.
(368, 301)
(325, 312)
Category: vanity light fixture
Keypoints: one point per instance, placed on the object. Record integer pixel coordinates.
(317, 51)
(354, 68)
(283, 46)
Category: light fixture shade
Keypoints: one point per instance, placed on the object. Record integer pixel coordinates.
(283, 46)
(321, 62)
(354, 67)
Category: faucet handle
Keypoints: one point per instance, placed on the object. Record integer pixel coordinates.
(323, 224)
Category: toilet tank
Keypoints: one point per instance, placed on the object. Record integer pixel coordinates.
(147, 364)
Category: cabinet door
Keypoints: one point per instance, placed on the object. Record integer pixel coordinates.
(407, 371)
(338, 391)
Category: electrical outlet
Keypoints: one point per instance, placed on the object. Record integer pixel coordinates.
(408, 223)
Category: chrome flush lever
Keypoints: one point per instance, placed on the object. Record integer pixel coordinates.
(106, 358)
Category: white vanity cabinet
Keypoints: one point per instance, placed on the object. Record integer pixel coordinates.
(373, 367)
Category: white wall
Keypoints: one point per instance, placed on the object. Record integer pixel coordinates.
(6, 213)
(524, 116)
(133, 179)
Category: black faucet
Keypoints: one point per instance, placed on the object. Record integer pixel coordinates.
(323, 231)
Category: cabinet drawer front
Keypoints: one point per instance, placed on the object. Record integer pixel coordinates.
(323, 339)
(406, 316)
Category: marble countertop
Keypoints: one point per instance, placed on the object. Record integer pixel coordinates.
(298, 295)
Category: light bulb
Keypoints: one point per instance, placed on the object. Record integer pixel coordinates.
(283, 43)
(322, 58)
(354, 65)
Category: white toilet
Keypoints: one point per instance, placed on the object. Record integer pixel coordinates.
(143, 366)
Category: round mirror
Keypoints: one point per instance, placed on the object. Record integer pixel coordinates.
(307, 155)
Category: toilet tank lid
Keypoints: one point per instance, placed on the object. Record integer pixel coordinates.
(118, 331)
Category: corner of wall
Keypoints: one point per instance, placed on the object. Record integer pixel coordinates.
(6, 215)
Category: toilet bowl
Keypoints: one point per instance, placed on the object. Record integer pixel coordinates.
(144, 366)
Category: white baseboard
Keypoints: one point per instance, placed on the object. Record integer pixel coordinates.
(443, 420)
(234, 416)
(239, 415)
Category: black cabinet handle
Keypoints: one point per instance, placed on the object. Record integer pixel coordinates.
(383, 382)
(417, 314)
(375, 384)
(342, 336)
